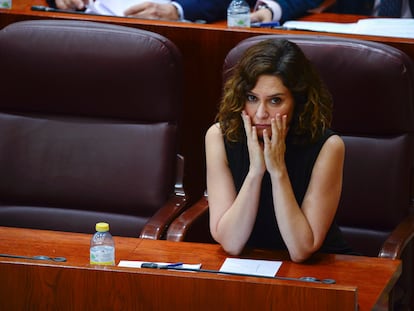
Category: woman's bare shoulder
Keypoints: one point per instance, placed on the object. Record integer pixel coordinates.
(335, 142)
(213, 131)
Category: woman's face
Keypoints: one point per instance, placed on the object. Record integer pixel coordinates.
(268, 98)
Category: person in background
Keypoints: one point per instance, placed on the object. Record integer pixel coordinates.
(384, 8)
(274, 167)
(281, 10)
(207, 11)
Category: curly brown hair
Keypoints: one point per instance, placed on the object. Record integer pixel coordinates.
(284, 59)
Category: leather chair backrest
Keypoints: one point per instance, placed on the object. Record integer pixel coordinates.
(89, 119)
(373, 90)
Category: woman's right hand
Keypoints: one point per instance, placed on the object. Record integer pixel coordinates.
(256, 156)
(275, 146)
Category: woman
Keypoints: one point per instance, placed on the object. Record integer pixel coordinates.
(274, 168)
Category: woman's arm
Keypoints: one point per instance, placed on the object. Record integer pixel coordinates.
(232, 215)
(304, 229)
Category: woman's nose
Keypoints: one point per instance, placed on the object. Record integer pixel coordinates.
(261, 111)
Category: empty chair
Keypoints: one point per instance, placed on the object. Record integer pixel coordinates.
(373, 91)
(89, 128)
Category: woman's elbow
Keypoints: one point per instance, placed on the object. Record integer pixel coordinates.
(303, 252)
(300, 256)
(234, 251)
(229, 247)
(299, 259)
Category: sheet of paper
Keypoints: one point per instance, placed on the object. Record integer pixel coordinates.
(385, 27)
(251, 266)
(137, 264)
(321, 26)
(115, 7)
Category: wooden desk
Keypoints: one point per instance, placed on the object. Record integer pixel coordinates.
(75, 285)
(204, 48)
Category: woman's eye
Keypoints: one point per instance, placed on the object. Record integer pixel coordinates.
(251, 98)
(275, 100)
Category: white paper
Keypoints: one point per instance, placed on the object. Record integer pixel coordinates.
(251, 266)
(385, 27)
(115, 7)
(321, 26)
(137, 264)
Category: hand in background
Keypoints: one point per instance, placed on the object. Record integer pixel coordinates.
(151, 10)
(71, 4)
(261, 16)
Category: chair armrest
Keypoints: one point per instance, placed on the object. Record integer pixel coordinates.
(324, 6)
(180, 227)
(396, 243)
(157, 225)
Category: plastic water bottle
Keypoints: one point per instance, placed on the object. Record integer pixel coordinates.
(238, 14)
(102, 251)
(5, 4)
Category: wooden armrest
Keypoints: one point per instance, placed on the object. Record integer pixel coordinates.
(157, 225)
(396, 243)
(179, 228)
(325, 5)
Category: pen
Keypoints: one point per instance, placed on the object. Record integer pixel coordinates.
(49, 9)
(154, 265)
(276, 25)
(266, 25)
(171, 266)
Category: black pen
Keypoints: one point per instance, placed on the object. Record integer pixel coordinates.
(275, 25)
(49, 9)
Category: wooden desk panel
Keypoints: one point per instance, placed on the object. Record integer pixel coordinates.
(204, 47)
(56, 288)
(75, 285)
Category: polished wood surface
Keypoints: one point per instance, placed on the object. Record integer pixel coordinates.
(75, 284)
(204, 47)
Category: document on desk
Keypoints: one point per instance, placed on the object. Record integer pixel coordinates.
(251, 266)
(385, 27)
(114, 7)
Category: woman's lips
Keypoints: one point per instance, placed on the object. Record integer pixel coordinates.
(262, 126)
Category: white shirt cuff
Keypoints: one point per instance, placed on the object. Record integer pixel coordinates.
(179, 9)
(274, 6)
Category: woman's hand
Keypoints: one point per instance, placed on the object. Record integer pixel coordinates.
(275, 146)
(257, 163)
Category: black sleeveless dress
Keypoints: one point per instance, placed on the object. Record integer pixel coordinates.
(300, 160)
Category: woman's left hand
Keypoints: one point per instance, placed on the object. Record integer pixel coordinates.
(275, 146)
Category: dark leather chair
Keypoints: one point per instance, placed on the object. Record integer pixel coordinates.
(325, 6)
(373, 89)
(89, 128)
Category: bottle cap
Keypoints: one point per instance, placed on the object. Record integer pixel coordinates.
(102, 227)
